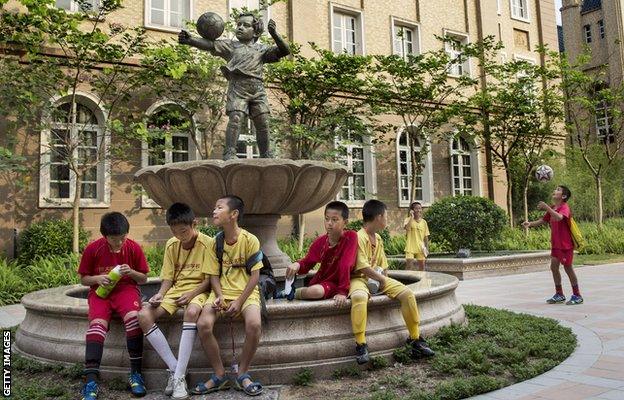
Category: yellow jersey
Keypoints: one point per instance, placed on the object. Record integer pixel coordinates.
(417, 231)
(234, 277)
(187, 268)
(369, 255)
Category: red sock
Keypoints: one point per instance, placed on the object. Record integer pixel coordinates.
(559, 289)
(575, 290)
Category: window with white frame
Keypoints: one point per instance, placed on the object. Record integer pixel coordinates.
(462, 167)
(76, 135)
(168, 14)
(405, 39)
(601, 30)
(520, 9)
(251, 5)
(74, 6)
(422, 182)
(588, 33)
(356, 155)
(346, 32)
(604, 122)
(460, 65)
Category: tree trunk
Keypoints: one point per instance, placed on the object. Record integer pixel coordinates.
(599, 199)
(76, 216)
(509, 197)
(301, 233)
(525, 205)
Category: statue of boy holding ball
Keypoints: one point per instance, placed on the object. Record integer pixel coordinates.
(245, 58)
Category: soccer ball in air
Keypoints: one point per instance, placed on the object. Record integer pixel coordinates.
(544, 173)
(210, 25)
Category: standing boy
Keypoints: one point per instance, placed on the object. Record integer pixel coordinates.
(98, 259)
(185, 283)
(336, 252)
(234, 293)
(562, 246)
(371, 256)
(246, 95)
(417, 243)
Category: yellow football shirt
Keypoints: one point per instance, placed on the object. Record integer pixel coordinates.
(369, 255)
(186, 268)
(417, 231)
(234, 277)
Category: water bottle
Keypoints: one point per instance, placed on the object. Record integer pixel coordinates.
(373, 285)
(114, 275)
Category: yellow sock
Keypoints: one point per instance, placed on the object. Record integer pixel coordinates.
(299, 293)
(409, 309)
(359, 300)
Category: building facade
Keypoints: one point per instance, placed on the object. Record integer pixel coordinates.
(381, 171)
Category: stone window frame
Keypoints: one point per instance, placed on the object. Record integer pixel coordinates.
(266, 14)
(358, 15)
(515, 6)
(475, 167)
(370, 170)
(103, 169)
(74, 7)
(604, 122)
(414, 27)
(587, 33)
(146, 201)
(165, 28)
(463, 38)
(601, 29)
(427, 174)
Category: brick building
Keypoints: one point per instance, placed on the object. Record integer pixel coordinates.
(356, 26)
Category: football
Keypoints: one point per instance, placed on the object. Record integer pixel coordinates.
(544, 173)
(210, 25)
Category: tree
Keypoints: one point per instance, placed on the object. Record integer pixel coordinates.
(419, 89)
(57, 54)
(594, 120)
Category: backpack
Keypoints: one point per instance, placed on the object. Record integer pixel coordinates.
(266, 283)
(577, 236)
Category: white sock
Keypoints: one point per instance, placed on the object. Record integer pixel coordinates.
(189, 330)
(159, 343)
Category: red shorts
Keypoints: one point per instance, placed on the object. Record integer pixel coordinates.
(122, 300)
(330, 288)
(565, 257)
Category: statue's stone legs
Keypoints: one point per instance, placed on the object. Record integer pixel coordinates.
(231, 134)
(261, 123)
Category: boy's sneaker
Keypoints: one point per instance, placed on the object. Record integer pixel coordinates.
(180, 391)
(420, 348)
(90, 391)
(362, 356)
(137, 385)
(575, 300)
(557, 298)
(283, 295)
(169, 388)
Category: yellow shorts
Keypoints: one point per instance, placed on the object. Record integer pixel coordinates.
(418, 256)
(171, 296)
(251, 300)
(392, 288)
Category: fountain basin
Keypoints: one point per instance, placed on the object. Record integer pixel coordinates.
(298, 334)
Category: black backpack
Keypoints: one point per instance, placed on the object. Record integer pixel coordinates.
(266, 283)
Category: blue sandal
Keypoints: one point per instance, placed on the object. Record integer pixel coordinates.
(217, 385)
(253, 389)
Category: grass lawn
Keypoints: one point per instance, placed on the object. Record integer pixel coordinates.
(597, 259)
(496, 349)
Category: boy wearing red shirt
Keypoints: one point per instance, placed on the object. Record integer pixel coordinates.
(562, 247)
(98, 258)
(336, 251)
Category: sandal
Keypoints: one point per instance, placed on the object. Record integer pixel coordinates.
(253, 389)
(217, 385)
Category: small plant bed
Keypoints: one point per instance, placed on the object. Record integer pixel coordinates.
(597, 259)
(496, 349)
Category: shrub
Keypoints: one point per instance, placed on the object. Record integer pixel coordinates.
(209, 230)
(52, 271)
(154, 256)
(304, 377)
(357, 224)
(466, 222)
(41, 239)
(12, 286)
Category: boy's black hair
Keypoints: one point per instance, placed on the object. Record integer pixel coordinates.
(258, 24)
(114, 224)
(373, 208)
(338, 206)
(414, 204)
(180, 214)
(235, 203)
(566, 192)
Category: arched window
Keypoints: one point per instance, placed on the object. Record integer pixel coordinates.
(464, 168)
(423, 182)
(356, 153)
(76, 135)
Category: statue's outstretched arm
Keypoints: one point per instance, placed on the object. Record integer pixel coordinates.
(279, 41)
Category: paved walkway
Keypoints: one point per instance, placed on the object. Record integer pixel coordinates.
(594, 371)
